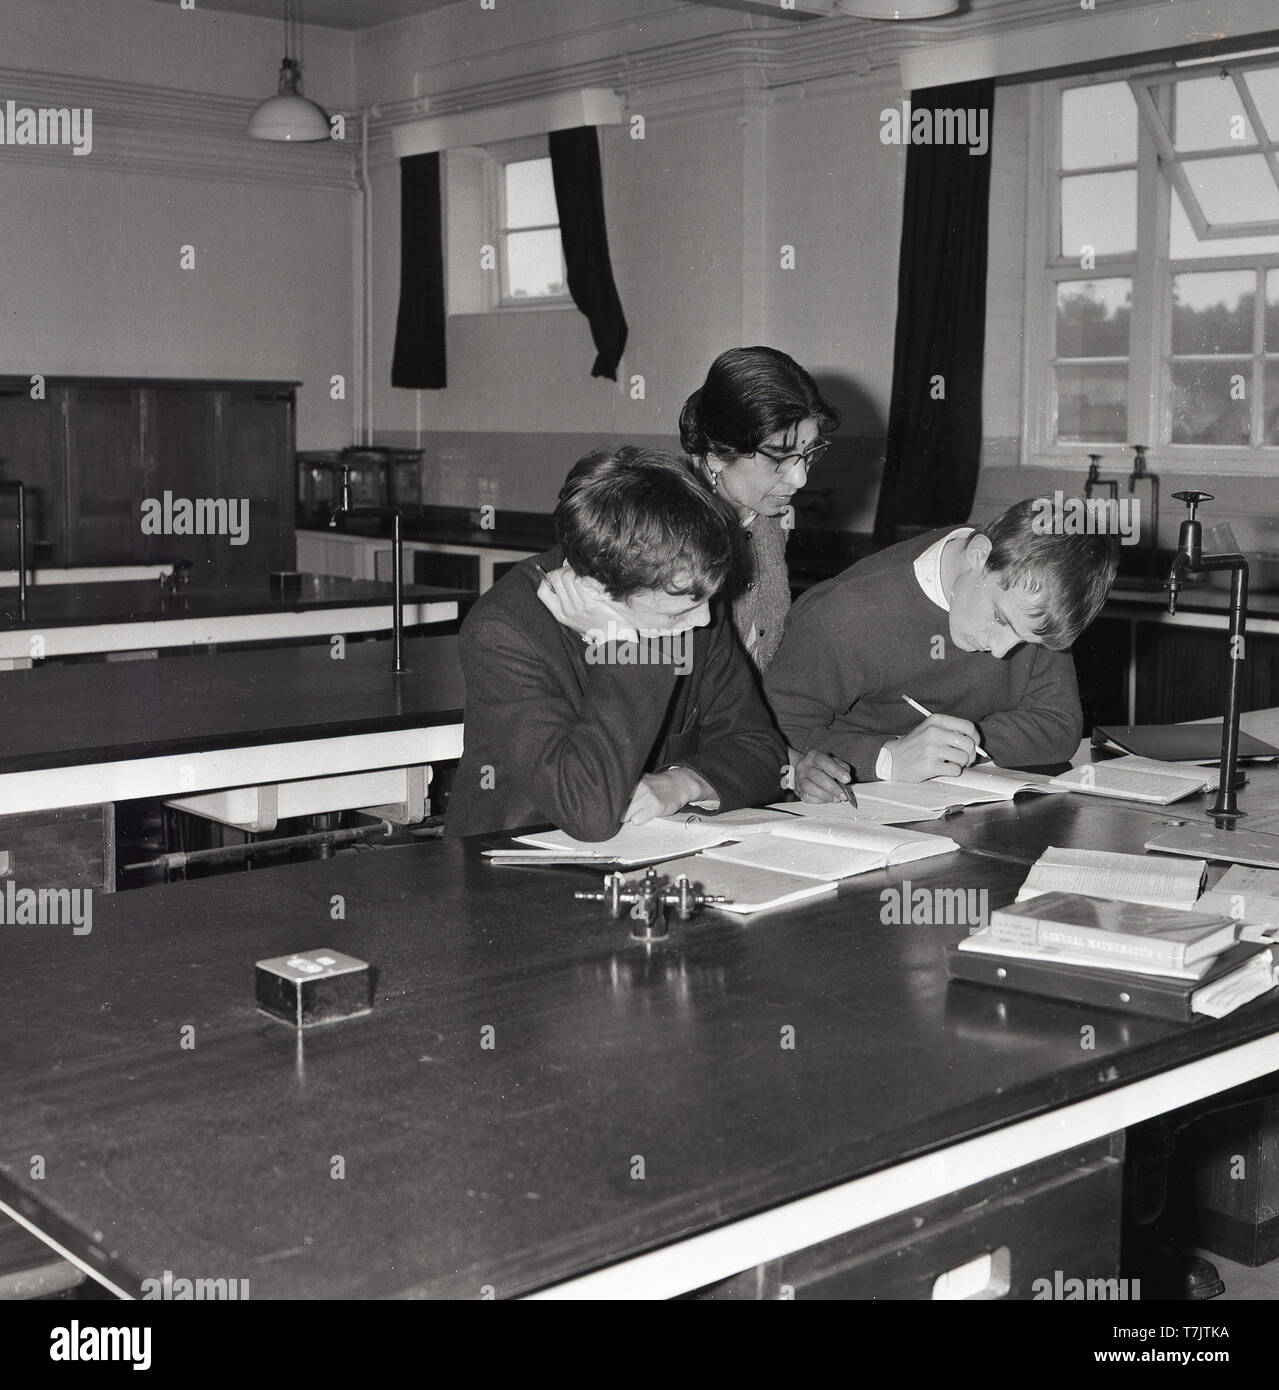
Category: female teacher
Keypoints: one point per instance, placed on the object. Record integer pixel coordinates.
(754, 430)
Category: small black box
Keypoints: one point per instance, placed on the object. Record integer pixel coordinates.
(313, 987)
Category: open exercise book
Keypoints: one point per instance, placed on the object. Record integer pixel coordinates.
(790, 863)
(887, 803)
(1136, 779)
(668, 837)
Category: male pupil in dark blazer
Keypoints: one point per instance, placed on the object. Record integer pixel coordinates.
(604, 684)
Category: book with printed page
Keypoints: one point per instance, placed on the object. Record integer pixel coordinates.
(1114, 931)
(1133, 878)
(1236, 976)
(1134, 779)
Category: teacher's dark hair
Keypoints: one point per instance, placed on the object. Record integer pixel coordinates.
(749, 394)
(635, 518)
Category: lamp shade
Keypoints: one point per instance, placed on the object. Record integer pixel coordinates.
(897, 9)
(289, 115)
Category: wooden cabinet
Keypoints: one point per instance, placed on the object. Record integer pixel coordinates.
(1142, 667)
(95, 450)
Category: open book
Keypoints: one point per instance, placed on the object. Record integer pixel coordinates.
(887, 802)
(748, 888)
(1133, 878)
(634, 844)
(842, 813)
(667, 837)
(825, 852)
(1135, 779)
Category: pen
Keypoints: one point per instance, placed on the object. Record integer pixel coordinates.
(927, 713)
(849, 793)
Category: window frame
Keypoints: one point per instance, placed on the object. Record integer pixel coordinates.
(1151, 270)
(496, 230)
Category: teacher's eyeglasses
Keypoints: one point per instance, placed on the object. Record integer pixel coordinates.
(781, 462)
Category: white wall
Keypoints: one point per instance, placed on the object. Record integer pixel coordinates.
(697, 212)
(89, 277)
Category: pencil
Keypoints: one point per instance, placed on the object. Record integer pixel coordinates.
(927, 713)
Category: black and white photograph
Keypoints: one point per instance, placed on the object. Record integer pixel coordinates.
(639, 660)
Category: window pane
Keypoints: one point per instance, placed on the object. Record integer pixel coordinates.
(1092, 318)
(1099, 210)
(534, 264)
(1272, 312)
(530, 194)
(1098, 126)
(1201, 406)
(1092, 404)
(1234, 190)
(1183, 244)
(1212, 311)
(1208, 114)
(1271, 403)
(1264, 86)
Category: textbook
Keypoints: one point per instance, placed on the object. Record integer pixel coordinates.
(1114, 931)
(824, 852)
(1134, 779)
(748, 888)
(1132, 878)
(983, 943)
(1173, 743)
(1251, 897)
(1238, 975)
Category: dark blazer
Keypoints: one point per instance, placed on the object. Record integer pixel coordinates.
(551, 736)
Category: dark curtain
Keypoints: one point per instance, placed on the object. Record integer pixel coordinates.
(930, 467)
(579, 194)
(419, 360)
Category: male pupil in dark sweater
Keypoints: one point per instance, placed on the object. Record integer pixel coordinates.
(604, 683)
(974, 625)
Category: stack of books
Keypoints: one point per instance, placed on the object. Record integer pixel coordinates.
(1117, 931)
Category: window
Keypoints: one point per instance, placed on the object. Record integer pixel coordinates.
(1153, 267)
(504, 249)
(532, 259)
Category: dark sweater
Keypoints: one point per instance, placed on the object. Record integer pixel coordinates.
(859, 642)
(553, 737)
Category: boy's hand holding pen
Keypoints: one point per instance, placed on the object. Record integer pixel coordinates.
(819, 777)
